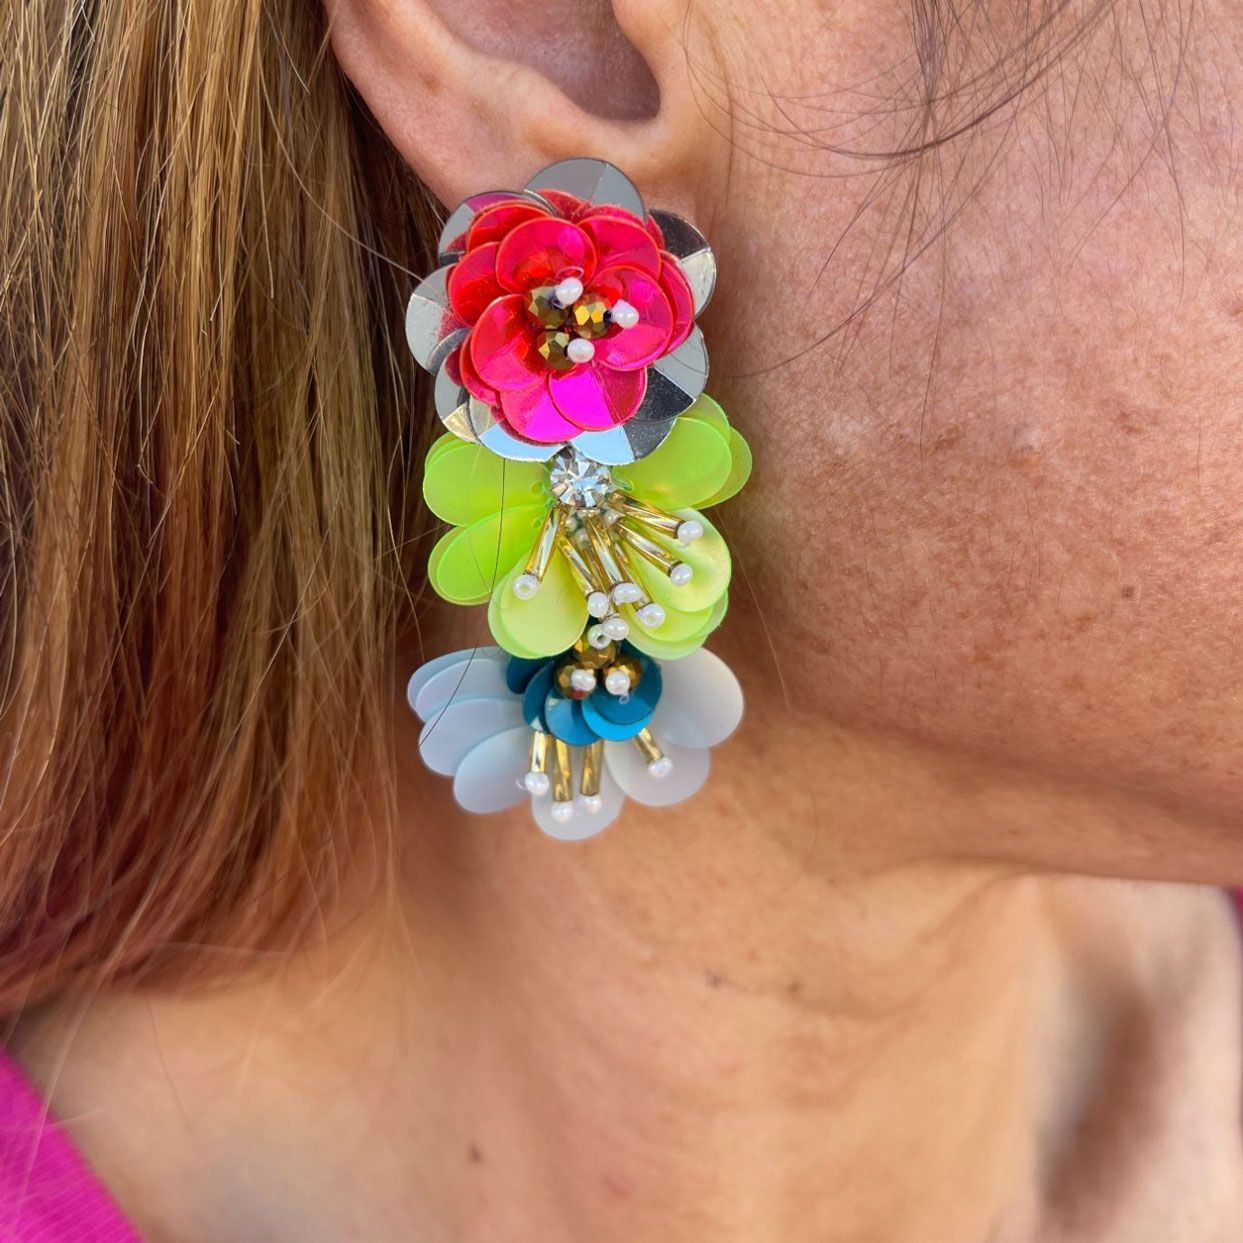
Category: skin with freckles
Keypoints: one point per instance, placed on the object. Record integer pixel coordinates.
(938, 953)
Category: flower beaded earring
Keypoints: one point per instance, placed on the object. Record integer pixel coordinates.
(580, 454)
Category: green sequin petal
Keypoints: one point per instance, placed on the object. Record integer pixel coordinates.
(654, 643)
(496, 623)
(465, 483)
(705, 410)
(469, 561)
(691, 464)
(739, 473)
(550, 621)
(441, 444)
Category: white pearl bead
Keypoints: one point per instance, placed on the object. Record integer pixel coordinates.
(598, 638)
(626, 593)
(536, 783)
(623, 314)
(583, 679)
(660, 768)
(568, 291)
(690, 531)
(651, 616)
(561, 812)
(598, 604)
(617, 682)
(580, 350)
(593, 803)
(681, 574)
(525, 586)
(616, 628)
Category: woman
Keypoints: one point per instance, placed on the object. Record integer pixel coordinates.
(942, 951)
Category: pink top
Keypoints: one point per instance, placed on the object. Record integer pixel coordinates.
(47, 1192)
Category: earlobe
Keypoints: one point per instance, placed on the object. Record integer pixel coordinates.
(487, 95)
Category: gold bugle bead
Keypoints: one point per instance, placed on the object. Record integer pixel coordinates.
(593, 769)
(562, 772)
(541, 552)
(603, 548)
(588, 552)
(586, 574)
(658, 520)
(628, 567)
(648, 549)
(537, 757)
(649, 748)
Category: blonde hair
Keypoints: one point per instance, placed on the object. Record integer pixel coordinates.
(206, 473)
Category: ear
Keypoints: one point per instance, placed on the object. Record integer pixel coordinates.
(480, 96)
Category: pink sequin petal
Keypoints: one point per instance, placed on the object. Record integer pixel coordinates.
(606, 284)
(496, 222)
(569, 205)
(629, 349)
(472, 283)
(622, 242)
(656, 232)
(596, 398)
(541, 252)
(610, 209)
(502, 345)
(678, 291)
(530, 414)
(471, 381)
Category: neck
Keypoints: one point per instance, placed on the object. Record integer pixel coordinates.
(751, 1056)
(699, 1025)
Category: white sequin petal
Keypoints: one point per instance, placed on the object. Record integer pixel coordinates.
(628, 769)
(489, 778)
(450, 735)
(701, 701)
(477, 673)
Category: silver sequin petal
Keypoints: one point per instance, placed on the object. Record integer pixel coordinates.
(493, 436)
(433, 332)
(620, 446)
(597, 181)
(690, 248)
(675, 382)
(452, 242)
(453, 405)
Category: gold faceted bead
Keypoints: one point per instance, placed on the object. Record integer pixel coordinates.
(553, 346)
(594, 658)
(590, 316)
(565, 681)
(545, 308)
(628, 665)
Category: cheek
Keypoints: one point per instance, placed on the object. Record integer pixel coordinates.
(1013, 527)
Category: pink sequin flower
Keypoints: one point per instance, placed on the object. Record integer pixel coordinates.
(554, 312)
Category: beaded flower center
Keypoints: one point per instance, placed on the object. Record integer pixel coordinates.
(570, 321)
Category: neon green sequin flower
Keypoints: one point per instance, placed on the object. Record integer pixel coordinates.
(552, 546)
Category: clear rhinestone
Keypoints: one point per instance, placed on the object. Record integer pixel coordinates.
(578, 482)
